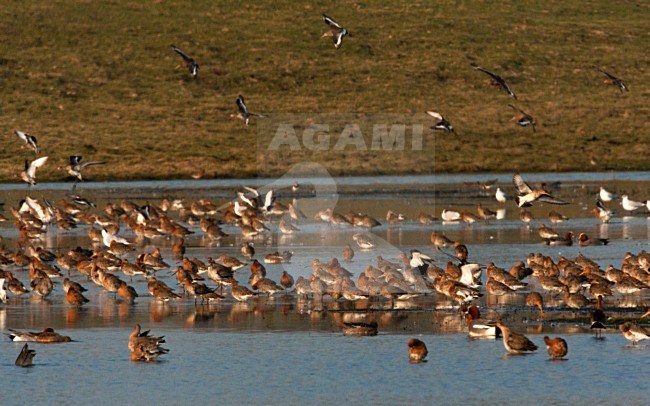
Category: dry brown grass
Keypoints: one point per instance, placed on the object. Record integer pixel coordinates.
(98, 79)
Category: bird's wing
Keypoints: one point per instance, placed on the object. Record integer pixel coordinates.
(507, 88)
(37, 163)
(75, 159)
(551, 200)
(85, 164)
(493, 75)
(241, 105)
(434, 115)
(331, 22)
(253, 191)
(185, 56)
(512, 106)
(268, 199)
(245, 199)
(258, 115)
(21, 135)
(600, 204)
(522, 187)
(609, 75)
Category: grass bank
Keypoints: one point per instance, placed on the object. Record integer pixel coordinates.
(99, 79)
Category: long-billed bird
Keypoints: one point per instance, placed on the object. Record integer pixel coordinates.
(527, 195)
(243, 113)
(29, 174)
(336, 32)
(613, 80)
(29, 140)
(189, 62)
(522, 119)
(498, 80)
(441, 123)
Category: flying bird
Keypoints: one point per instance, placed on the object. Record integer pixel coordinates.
(29, 174)
(441, 124)
(336, 32)
(613, 80)
(189, 62)
(29, 141)
(527, 195)
(523, 119)
(244, 114)
(497, 80)
(75, 166)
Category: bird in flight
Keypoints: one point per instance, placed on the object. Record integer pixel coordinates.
(189, 62)
(613, 80)
(497, 79)
(441, 124)
(244, 114)
(523, 119)
(29, 141)
(336, 32)
(527, 195)
(75, 166)
(29, 174)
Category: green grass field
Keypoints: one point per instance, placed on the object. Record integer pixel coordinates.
(99, 79)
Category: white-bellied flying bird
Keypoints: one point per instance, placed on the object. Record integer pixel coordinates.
(189, 61)
(29, 141)
(75, 166)
(441, 123)
(336, 32)
(613, 80)
(243, 113)
(29, 174)
(527, 195)
(522, 119)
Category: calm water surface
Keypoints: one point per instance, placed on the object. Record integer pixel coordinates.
(288, 350)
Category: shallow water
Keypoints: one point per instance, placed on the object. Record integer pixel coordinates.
(288, 350)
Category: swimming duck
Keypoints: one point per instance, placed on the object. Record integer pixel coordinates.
(46, 336)
(144, 347)
(477, 327)
(25, 357)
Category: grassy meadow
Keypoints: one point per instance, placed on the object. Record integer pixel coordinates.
(99, 79)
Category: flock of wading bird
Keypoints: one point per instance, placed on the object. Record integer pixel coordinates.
(580, 281)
